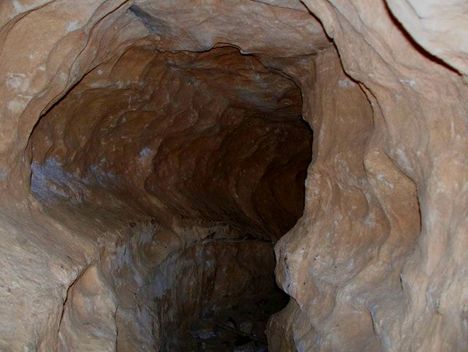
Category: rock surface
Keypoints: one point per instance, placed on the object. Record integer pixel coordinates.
(152, 152)
(204, 136)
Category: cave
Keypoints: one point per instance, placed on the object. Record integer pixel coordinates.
(220, 175)
(204, 155)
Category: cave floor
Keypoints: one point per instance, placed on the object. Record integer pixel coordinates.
(238, 329)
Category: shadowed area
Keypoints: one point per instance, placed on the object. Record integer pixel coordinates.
(190, 139)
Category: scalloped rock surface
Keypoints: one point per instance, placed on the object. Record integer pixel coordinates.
(156, 156)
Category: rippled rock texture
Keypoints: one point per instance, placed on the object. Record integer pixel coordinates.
(205, 135)
(152, 153)
(188, 139)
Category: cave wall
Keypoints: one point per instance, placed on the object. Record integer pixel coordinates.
(377, 262)
(419, 123)
(342, 261)
(411, 161)
(151, 286)
(185, 131)
(189, 140)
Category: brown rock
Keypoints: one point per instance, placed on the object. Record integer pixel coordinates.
(153, 152)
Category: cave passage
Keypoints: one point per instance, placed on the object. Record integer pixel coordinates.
(200, 159)
(153, 162)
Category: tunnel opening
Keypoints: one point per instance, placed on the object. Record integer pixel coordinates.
(139, 185)
(197, 161)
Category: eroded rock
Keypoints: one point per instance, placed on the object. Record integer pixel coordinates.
(147, 167)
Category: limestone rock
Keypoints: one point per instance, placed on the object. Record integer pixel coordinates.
(152, 153)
